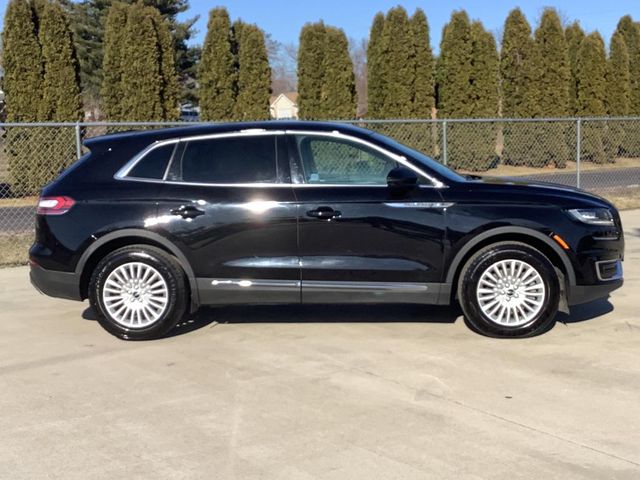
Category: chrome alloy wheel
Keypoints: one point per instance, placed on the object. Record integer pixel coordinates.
(511, 293)
(135, 295)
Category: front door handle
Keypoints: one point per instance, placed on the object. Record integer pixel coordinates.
(186, 211)
(324, 213)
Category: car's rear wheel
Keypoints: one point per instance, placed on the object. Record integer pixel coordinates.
(138, 292)
(509, 289)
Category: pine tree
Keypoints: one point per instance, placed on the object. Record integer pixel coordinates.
(254, 77)
(338, 96)
(553, 89)
(591, 73)
(398, 65)
(423, 100)
(114, 45)
(574, 36)
(22, 62)
(519, 74)
(375, 81)
(311, 70)
(217, 73)
(169, 89)
(141, 76)
(618, 88)
(61, 100)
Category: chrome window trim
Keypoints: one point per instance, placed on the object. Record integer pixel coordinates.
(435, 183)
(122, 173)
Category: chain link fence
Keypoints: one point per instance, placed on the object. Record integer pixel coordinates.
(600, 155)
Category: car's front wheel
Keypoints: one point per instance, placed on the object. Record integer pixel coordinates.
(138, 292)
(509, 289)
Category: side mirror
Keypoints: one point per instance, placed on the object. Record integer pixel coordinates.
(402, 178)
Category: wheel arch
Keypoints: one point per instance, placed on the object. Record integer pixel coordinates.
(537, 240)
(131, 236)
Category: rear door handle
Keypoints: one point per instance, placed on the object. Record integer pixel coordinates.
(186, 211)
(324, 213)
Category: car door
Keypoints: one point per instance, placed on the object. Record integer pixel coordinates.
(359, 240)
(227, 203)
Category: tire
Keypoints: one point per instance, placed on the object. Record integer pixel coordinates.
(138, 312)
(515, 278)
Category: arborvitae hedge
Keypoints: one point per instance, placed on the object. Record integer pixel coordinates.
(338, 96)
(217, 74)
(114, 45)
(424, 65)
(375, 79)
(61, 100)
(630, 31)
(311, 70)
(574, 35)
(591, 74)
(618, 88)
(254, 76)
(169, 87)
(22, 62)
(554, 76)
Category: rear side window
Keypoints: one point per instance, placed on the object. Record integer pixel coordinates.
(243, 159)
(153, 164)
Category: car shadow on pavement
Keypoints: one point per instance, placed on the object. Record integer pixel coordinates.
(587, 311)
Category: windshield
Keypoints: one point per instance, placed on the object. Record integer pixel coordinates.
(428, 162)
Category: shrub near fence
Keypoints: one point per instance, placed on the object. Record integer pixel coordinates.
(598, 154)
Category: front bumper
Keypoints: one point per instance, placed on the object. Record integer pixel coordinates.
(55, 284)
(587, 293)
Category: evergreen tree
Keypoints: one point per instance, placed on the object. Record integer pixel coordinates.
(423, 78)
(618, 77)
(311, 70)
(217, 73)
(338, 95)
(630, 32)
(591, 73)
(553, 89)
(519, 73)
(375, 81)
(169, 87)
(141, 74)
(398, 65)
(23, 69)
(254, 77)
(574, 35)
(617, 88)
(22, 62)
(114, 45)
(61, 87)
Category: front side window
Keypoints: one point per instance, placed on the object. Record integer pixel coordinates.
(328, 160)
(154, 163)
(241, 159)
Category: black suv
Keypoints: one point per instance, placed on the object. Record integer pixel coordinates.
(150, 225)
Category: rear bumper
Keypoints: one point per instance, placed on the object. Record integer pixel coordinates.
(586, 293)
(56, 284)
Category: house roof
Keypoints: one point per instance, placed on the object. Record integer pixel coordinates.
(292, 96)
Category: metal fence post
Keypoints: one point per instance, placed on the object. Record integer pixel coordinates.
(78, 142)
(444, 142)
(578, 148)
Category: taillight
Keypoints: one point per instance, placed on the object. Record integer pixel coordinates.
(54, 205)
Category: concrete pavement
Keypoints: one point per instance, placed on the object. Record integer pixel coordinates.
(332, 393)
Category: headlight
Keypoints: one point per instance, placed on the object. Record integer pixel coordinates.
(593, 216)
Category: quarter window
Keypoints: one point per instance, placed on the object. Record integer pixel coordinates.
(241, 159)
(153, 164)
(338, 161)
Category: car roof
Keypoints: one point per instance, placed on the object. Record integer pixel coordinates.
(150, 136)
